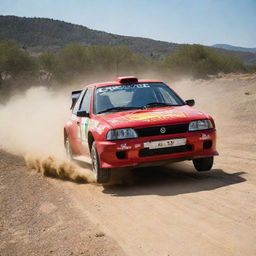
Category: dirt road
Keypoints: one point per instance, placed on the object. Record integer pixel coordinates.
(36, 218)
(169, 210)
(176, 211)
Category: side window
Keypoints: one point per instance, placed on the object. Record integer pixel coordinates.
(86, 102)
(78, 103)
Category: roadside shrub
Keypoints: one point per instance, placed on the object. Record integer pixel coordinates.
(199, 61)
(15, 62)
(77, 62)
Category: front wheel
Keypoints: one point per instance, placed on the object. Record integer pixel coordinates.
(203, 164)
(102, 175)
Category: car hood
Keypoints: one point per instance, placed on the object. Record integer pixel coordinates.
(153, 116)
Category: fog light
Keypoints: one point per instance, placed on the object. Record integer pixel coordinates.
(207, 144)
(121, 154)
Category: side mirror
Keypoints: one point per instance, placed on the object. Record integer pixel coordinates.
(82, 113)
(190, 103)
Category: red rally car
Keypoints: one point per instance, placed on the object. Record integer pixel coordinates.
(131, 122)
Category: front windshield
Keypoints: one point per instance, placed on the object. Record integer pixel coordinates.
(115, 98)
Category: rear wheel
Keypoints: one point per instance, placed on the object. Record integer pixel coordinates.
(102, 175)
(68, 149)
(203, 164)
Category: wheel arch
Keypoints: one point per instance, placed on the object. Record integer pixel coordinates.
(90, 140)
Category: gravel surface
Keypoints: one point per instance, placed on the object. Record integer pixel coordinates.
(36, 218)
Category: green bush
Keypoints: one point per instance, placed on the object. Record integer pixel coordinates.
(15, 62)
(199, 61)
(71, 61)
(47, 62)
(76, 61)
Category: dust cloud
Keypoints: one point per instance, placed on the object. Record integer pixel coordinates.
(52, 167)
(230, 100)
(31, 125)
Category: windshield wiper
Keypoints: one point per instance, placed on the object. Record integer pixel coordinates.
(116, 109)
(149, 105)
(156, 104)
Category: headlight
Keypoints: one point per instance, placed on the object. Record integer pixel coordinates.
(200, 125)
(119, 134)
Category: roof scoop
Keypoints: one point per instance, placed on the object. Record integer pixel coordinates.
(127, 79)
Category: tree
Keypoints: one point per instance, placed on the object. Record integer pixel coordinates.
(47, 62)
(199, 61)
(71, 61)
(15, 62)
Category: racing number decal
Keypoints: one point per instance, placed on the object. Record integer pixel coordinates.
(83, 129)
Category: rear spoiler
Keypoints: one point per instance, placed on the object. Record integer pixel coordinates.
(74, 96)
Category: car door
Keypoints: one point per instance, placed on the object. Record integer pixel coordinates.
(83, 122)
(73, 127)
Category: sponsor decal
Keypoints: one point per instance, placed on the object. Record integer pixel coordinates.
(155, 116)
(107, 89)
(205, 136)
(100, 129)
(137, 146)
(123, 147)
(93, 124)
(84, 128)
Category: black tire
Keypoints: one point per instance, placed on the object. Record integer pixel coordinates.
(101, 175)
(68, 149)
(203, 164)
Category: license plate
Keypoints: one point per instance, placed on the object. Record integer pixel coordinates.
(165, 143)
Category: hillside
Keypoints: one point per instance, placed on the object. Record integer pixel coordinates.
(41, 34)
(38, 35)
(234, 48)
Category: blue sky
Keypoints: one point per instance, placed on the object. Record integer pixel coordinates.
(182, 21)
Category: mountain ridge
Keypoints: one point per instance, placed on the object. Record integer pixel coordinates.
(57, 36)
(234, 48)
(39, 35)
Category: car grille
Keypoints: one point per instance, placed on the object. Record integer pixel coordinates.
(154, 131)
(162, 151)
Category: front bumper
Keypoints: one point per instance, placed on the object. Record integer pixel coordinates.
(132, 149)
